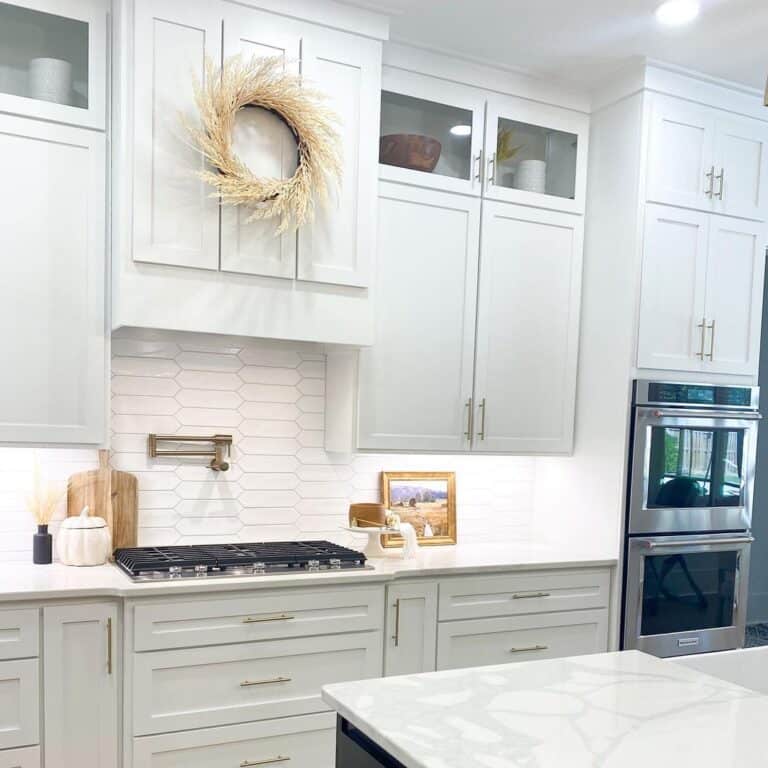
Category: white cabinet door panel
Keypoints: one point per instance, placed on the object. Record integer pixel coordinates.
(27, 757)
(411, 628)
(52, 283)
(672, 289)
(80, 690)
(735, 269)
(681, 154)
(264, 143)
(527, 330)
(337, 246)
(176, 221)
(19, 633)
(416, 380)
(19, 703)
(742, 159)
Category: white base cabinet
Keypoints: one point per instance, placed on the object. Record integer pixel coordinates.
(28, 757)
(19, 696)
(81, 688)
(411, 628)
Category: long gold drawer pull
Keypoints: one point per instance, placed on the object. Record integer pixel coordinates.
(529, 595)
(529, 649)
(268, 761)
(281, 617)
(247, 683)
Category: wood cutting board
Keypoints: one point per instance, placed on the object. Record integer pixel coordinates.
(110, 494)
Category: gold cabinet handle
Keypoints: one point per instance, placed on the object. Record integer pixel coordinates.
(711, 329)
(492, 170)
(281, 617)
(710, 175)
(269, 681)
(468, 406)
(702, 326)
(481, 433)
(529, 595)
(109, 646)
(396, 636)
(529, 648)
(720, 178)
(268, 761)
(479, 166)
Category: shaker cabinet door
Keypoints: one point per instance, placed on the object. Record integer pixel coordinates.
(175, 219)
(734, 296)
(264, 143)
(52, 275)
(337, 246)
(410, 632)
(672, 317)
(527, 330)
(416, 379)
(681, 157)
(80, 652)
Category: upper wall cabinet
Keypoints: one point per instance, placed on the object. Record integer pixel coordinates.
(537, 154)
(53, 60)
(239, 276)
(460, 139)
(707, 159)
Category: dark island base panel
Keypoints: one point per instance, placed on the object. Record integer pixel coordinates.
(355, 750)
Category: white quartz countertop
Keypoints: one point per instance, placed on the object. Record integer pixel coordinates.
(612, 710)
(25, 581)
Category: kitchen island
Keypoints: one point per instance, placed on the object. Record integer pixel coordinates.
(613, 710)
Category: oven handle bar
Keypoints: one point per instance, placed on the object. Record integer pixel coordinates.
(701, 413)
(696, 542)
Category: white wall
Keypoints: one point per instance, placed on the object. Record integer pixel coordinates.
(282, 484)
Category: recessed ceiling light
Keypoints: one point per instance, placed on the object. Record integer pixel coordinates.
(675, 13)
(461, 130)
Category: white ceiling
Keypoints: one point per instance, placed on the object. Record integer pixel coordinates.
(584, 40)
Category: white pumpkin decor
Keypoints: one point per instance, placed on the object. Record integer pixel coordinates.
(84, 540)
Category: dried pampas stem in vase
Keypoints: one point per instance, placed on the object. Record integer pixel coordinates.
(264, 83)
(42, 503)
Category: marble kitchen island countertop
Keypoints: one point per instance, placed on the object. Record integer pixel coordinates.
(25, 581)
(611, 710)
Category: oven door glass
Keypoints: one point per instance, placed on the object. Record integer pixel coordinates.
(692, 467)
(685, 592)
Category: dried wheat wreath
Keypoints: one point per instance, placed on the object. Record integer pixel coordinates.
(263, 82)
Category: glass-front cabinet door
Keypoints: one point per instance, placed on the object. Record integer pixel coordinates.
(431, 133)
(53, 61)
(535, 154)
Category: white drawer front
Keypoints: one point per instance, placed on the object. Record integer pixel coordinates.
(306, 742)
(29, 757)
(203, 687)
(265, 616)
(514, 594)
(480, 642)
(19, 703)
(19, 633)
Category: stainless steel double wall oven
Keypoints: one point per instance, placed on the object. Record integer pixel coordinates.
(689, 515)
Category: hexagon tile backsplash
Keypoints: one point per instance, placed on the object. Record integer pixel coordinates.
(282, 484)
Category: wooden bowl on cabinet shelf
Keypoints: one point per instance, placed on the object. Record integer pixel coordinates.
(410, 150)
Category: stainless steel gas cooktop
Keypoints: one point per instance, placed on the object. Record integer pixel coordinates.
(206, 560)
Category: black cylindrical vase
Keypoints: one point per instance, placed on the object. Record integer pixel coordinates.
(42, 546)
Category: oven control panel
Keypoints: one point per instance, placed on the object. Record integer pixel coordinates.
(695, 395)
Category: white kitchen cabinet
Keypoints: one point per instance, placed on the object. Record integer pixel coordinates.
(451, 113)
(410, 630)
(336, 247)
(19, 633)
(527, 330)
(73, 35)
(416, 380)
(707, 159)
(19, 703)
(549, 166)
(175, 219)
(80, 690)
(264, 143)
(52, 283)
(701, 292)
(26, 757)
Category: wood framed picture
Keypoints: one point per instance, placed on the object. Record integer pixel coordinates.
(426, 500)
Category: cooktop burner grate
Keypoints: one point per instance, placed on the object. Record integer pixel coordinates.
(236, 559)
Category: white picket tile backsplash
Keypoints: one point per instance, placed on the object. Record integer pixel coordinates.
(282, 483)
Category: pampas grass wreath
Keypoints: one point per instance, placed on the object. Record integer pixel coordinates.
(263, 82)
